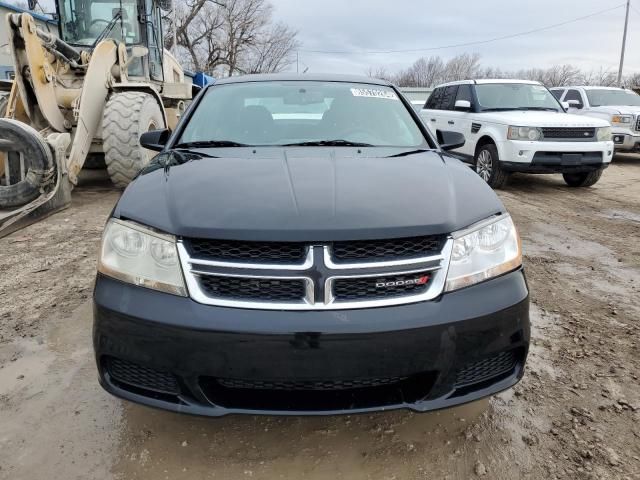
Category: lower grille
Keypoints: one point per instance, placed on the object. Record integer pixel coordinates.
(246, 288)
(380, 287)
(308, 385)
(138, 376)
(487, 368)
(573, 133)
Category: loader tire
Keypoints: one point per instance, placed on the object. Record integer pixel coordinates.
(38, 165)
(4, 103)
(126, 116)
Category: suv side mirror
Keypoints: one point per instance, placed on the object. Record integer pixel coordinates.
(450, 140)
(573, 104)
(155, 139)
(462, 105)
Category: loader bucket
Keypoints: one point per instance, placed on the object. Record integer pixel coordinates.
(32, 180)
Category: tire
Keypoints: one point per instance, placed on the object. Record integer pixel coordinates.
(584, 179)
(4, 103)
(126, 116)
(487, 166)
(38, 160)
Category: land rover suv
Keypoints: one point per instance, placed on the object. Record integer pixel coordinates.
(303, 245)
(519, 126)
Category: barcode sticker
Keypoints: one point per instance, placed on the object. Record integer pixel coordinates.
(374, 93)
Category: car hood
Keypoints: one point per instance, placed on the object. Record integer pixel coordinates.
(617, 109)
(306, 194)
(531, 118)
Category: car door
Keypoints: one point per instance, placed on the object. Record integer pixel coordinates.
(461, 120)
(432, 112)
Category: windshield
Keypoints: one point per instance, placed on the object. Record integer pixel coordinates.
(296, 112)
(601, 97)
(83, 21)
(515, 96)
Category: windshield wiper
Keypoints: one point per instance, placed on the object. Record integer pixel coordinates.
(328, 143)
(409, 152)
(210, 144)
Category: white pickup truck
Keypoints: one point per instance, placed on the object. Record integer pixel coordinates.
(618, 106)
(519, 126)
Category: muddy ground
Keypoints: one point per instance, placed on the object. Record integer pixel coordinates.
(576, 414)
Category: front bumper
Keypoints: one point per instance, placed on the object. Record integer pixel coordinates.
(626, 140)
(214, 361)
(554, 157)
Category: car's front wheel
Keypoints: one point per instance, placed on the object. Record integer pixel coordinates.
(488, 167)
(584, 179)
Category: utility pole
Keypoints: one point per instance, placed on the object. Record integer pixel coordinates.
(624, 44)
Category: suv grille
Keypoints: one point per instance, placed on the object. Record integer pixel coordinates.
(388, 249)
(267, 289)
(381, 287)
(561, 133)
(638, 123)
(312, 276)
(249, 251)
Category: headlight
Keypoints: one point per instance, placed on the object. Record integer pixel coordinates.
(141, 256)
(524, 133)
(603, 134)
(482, 252)
(621, 119)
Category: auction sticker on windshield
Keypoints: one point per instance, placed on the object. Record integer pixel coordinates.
(374, 93)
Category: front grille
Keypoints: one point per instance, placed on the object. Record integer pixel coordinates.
(638, 124)
(272, 252)
(380, 287)
(391, 249)
(265, 289)
(487, 368)
(142, 377)
(573, 133)
(309, 384)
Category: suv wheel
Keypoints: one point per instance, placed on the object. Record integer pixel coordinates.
(487, 164)
(585, 179)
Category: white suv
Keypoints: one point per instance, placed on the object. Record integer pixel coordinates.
(519, 126)
(618, 106)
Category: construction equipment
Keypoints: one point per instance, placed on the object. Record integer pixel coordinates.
(86, 94)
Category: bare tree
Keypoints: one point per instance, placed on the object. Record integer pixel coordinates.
(601, 77)
(230, 37)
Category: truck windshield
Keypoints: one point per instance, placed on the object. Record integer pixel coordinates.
(307, 113)
(515, 96)
(600, 97)
(83, 21)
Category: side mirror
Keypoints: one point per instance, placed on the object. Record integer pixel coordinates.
(462, 105)
(573, 104)
(155, 139)
(450, 140)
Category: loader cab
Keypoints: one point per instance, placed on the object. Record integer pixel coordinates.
(83, 23)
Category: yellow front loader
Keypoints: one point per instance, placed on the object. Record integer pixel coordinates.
(84, 96)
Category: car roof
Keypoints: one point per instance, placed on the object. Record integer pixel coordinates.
(594, 87)
(483, 81)
(310, 77)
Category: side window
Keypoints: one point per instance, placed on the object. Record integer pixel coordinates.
(574, 95)
(449, 98)
(464, 93)
(557, 93)
(434, 99)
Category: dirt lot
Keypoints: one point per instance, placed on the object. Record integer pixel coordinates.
(576, 414)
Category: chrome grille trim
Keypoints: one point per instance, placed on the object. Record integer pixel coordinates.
(192, 268)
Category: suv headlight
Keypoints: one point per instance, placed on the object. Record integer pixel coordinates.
(603, 134)
(524, 133)
(141, 256)
(485, 251)
(624, 119)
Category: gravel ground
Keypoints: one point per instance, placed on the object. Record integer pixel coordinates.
(575, 415)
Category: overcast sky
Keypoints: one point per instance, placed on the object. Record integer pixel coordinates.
(413, 24)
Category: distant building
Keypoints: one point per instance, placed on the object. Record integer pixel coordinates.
(6, 62)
